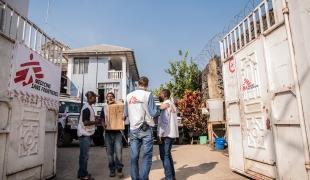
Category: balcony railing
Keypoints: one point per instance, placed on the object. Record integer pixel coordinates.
(115, 75)
(18, 28)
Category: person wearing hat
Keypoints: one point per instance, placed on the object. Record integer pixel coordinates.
(86, 128)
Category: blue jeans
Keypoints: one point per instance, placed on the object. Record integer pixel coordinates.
(166, 157)
(138, 138)
(85, 142)
(114, 151)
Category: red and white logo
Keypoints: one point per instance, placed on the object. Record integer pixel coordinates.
(247, 85)
(231, 65)
(133, 100)
(29, 72)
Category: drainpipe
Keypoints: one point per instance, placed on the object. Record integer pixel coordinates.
(285, 11)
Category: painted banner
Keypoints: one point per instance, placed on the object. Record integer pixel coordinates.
(35, 77)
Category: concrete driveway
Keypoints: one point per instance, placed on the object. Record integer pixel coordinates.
(193, 162)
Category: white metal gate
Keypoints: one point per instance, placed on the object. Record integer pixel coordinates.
(255, 122)
(28, 130)
(266, 133)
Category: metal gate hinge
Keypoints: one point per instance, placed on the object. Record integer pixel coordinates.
(307, 165)
(285, 10)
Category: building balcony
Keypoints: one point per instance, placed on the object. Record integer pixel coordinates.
(18, 28)
(115, 75)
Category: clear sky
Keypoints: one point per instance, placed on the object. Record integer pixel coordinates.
(155, 29)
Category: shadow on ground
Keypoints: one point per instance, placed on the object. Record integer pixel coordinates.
(186, 171)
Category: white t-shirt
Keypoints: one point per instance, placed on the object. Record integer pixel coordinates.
(137, 102)
(168, 122)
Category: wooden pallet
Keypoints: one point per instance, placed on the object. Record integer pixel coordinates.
(212, 130)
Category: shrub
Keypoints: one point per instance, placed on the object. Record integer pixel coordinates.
(190, 109)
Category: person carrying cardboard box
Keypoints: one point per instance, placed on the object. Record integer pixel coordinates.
(112, 116)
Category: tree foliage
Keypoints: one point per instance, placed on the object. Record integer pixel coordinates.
(156, 92)
(185, 75)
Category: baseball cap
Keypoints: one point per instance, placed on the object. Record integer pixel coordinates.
(89, 94)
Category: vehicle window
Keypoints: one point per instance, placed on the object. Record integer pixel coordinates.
(62, 108)
(74, 108)
(71, 106)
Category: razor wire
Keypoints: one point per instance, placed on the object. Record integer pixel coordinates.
(211, 48)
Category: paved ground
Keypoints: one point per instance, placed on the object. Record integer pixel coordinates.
(194, 162)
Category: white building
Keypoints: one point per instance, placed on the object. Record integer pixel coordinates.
(103, 68)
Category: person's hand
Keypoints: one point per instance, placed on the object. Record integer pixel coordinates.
(97, 121)
(111, 102)
(159, 139)
(155, 120)
(104, 125)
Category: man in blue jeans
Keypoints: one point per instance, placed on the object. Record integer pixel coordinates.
(140, 108)
(113, 140)
(86, 128)
(167, 131)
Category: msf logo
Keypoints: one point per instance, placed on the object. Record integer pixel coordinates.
(29, 71)
(133, 100)
(248, 85)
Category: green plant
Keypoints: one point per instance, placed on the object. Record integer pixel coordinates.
(156, 92)
(185, 75)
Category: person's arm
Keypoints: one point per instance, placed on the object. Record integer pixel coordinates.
(164, 106)
(86, 118)
(152, 107)
(125, 110)
(102, 117)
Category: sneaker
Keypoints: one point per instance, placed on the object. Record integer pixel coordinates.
(80, 176)
(120, 173)
(112, 173)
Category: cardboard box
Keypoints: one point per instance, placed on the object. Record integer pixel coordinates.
(115, 117)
